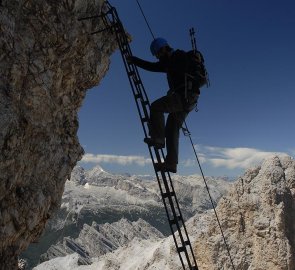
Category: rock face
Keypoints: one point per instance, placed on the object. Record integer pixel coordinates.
(47, 62)
(258, 218)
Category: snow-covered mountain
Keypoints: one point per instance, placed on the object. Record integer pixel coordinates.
(106, 189)
(257, 218)
(99, 197)
(150, 254)
(96, 240)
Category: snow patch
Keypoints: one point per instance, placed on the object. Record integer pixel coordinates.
(69, 262)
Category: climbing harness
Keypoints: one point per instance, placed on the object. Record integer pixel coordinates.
(175, 219)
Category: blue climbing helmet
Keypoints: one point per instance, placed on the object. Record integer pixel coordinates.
(157, 44)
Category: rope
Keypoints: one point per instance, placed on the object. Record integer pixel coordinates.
(146, 21)
(186, 132)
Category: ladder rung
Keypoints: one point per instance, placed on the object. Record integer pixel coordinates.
(168, 194)
(145, 102)
(181, 249)
(187, 242)
(138, 96)
(131, 73)
(142, 100)
(172, 221)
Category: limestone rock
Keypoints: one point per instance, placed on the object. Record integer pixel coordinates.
(258, 219)
(96, 240)
(47, 62)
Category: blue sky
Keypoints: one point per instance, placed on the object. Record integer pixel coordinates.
(246, 114)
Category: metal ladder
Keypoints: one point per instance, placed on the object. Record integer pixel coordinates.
(179, 232)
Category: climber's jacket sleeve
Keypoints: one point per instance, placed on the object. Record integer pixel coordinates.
(175, 68)
(150, 66)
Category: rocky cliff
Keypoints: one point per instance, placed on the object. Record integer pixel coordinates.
(47, 62)
(258, 218)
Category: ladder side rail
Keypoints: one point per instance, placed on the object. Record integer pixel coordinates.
(115, 18)
(113, 22)
(178, 206)
(179, 242)
(136, 75)
(164, 189)
(183, 234)
(183, 241)
(167, 208)
(172, 205)
(168, 189)
(135, 81)
(188, 242)
(120, 25)
(125, 48)
(127, 66)
(134, 86)
(135, 93)
(165, 181)
(139, 85)
(142, 92)
(132, 68)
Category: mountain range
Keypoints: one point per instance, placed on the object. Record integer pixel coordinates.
(255, 230)
(95, 200)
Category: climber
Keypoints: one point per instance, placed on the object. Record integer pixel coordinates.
(178, 102)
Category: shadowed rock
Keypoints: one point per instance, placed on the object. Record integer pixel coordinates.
(47, 62)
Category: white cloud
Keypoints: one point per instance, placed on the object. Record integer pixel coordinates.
(121, 160)
(231, 158)
(194, 162)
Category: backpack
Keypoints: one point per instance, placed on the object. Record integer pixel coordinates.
(196, 70)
